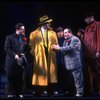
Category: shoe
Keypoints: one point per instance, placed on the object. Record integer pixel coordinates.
(34, 92)
(44, 93)
(21, 96)
(10, 96)
(79, 95)
(66, 92)
(55, 93)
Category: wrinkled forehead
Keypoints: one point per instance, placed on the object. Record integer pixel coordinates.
(88, 17)
(66, 31)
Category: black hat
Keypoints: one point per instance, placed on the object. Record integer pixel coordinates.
(89, 14)
(59, 29)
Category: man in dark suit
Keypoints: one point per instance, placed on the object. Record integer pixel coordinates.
(15, 45)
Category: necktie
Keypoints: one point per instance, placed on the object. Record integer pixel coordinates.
(45, 38)
(20, 40)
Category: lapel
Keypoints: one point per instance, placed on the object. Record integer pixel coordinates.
(40, 35)
(64, 44)
(16, 39)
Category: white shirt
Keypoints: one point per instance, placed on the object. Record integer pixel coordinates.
(42, 30)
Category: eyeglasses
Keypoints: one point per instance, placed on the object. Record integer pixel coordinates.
(66, 32)
(22, 29)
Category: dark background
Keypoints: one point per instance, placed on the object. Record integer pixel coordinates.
(64, 13)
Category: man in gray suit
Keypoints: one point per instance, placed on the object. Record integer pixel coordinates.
(71, 50)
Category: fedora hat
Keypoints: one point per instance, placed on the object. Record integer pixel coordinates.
(44, 19)
(89, 14)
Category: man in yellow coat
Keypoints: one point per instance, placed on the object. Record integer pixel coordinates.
(41, 41)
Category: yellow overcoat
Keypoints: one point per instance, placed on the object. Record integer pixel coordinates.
(43, 72)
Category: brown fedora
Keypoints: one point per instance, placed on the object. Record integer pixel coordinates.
(44, 19)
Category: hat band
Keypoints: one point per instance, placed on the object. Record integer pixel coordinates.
(45, 20)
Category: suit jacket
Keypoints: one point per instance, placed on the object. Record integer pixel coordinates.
(11, 48)
(71, 53)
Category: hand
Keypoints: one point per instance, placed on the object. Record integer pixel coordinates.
(22, 54)
(55, 47)
(23, 33)
(16, 57)
(97, 55)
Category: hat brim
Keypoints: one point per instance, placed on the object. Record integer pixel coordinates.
(47, 21)
(89, 14)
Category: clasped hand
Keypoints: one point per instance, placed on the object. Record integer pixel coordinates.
(55, 47)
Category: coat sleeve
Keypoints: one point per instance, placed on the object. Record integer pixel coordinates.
(32, 43)
(56, 38)
(74, 45)
(98, 37)
(8, 47)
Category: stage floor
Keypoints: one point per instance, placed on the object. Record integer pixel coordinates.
(29, 94)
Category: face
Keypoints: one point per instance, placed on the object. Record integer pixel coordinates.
(60, 34)
(79, 34)
(89, 20)
(22, 30)
(47, 25)
(67, 34)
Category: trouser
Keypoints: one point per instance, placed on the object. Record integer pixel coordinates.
(69, 82)
(14, 80)
(78, 80)
(61, 73)
(91, 77)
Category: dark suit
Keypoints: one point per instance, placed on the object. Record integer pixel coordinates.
(14, 71)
